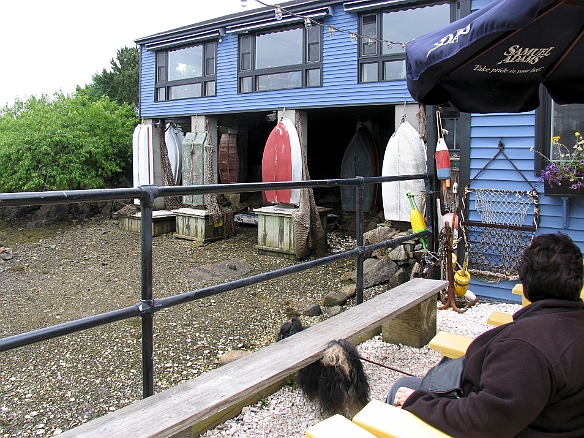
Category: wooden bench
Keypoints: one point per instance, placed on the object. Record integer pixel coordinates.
(337, 426)
(518, 290)
(449, 344)
(191, 408)
(377, 419)
(499, 318)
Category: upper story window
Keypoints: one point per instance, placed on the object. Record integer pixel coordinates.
(379, 61)
(282, 59)
(556, 128)
(186, 72)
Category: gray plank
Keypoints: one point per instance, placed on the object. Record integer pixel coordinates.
(187, 404)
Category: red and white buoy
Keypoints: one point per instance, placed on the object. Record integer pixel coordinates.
(442, 156)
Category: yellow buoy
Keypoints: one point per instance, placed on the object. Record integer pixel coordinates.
(461, 282)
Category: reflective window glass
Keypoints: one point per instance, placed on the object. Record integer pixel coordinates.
(393, 70)
(369, 29)
(369, 72)
(411, 23)
(313, 77)
(279, 81)
(184, 91)
(567, 120)
(210, 88)
(278, 49)
(246, 85)
(314, 44)
(185, 63)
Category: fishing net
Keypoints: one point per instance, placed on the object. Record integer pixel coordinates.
(308, 231)
(170, 202)
(495, 244)
(218, 216)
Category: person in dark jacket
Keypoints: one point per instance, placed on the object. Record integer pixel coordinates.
(525, 378)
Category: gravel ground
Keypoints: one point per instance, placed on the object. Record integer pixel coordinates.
(287, 413)
(65, 272)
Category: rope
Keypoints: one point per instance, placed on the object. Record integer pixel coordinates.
(387, 366)
(217, 215)
(170, 202)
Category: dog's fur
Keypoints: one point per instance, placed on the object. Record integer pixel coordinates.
(290, 328)
(337, 382)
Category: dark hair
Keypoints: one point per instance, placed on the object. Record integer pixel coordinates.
(551, 267)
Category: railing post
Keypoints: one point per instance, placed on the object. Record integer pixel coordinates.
(359, 236)
(146, 204)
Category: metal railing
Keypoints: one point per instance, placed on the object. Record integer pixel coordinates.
(148, 305)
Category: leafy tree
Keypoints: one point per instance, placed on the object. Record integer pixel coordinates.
(65, 142)
(121, 84)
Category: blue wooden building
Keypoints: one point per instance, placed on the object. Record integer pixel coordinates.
(338, 65)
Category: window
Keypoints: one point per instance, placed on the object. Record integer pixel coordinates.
(558, 122)
(283, 59)
(379, 61)
(186, 72)
(451, 122)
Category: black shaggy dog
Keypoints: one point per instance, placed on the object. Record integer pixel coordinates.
(290, 328)
(337, 382)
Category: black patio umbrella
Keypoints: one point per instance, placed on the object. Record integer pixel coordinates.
(494, 59)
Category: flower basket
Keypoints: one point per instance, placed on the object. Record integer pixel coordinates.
(564, 175)
(562, 190)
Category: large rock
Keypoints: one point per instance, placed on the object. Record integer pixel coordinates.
(400, 277)
(334, 299)
(47, 214)
(376, 271)
(5, 253)
(349, 290)
(379, 234)
(312, 310)
(398, 253)
(333, 311)
(231, 356)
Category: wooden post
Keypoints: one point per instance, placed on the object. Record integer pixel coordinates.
(414, 327)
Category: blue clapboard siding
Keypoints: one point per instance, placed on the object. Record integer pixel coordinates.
(340, 85)
(517, 132)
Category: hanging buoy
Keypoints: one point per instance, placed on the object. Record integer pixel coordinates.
(443, 162)
(416, 219)
(442, 156)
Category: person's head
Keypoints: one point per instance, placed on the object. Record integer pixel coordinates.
(551, 267)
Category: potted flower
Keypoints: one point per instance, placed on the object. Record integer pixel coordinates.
(564, 175)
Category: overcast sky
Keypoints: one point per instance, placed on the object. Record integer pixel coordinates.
(54, 45)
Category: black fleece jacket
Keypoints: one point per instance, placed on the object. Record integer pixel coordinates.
(525, 378)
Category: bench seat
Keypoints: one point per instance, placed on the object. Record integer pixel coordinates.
(387, 421)
(449, 344)
(499, 318)
(337, 426)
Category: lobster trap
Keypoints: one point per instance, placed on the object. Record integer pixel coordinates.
(495, 243)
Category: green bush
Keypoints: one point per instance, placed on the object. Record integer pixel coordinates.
(65, 142)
